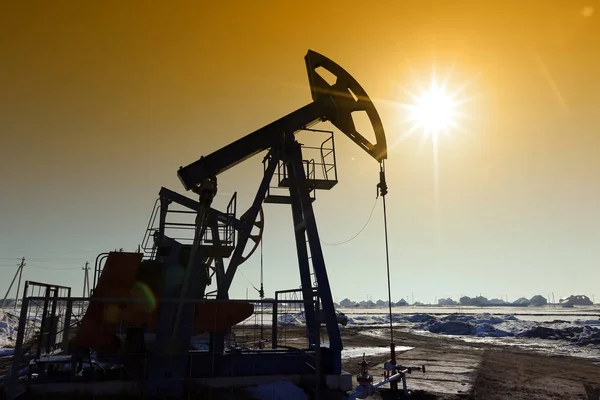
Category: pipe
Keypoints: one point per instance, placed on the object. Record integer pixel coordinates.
(391, 378)
(363, 391)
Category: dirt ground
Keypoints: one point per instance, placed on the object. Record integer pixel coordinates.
(458, 370)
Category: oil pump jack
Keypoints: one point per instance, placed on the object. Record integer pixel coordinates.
(185, 270)
(334, 103)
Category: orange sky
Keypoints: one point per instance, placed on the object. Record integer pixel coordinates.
(102, 101)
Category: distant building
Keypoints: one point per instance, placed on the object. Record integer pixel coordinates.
(447, 302)
(401, 303)
(576, 300)
(521, 301)
(538, 300)
(478, 301)
(381, 303)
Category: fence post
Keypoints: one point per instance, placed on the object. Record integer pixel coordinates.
(43, 322)
(67, 326)
(274, 325)
(53, 324)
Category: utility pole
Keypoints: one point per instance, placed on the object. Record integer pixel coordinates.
(19, 273)
(19, 282)
(86, 280)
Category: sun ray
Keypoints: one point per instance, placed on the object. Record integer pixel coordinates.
(404, 136)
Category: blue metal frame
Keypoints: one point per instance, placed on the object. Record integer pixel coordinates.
(334, 103)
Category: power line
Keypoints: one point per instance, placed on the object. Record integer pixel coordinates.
(359, 232)
(54, 269)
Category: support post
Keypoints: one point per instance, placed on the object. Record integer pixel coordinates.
(67, 325)
(300, 190)
(52, 324)
(274, 325)
(44, 321)
(304, 265)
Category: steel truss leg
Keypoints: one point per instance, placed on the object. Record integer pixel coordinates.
(304, 220)
(307, 292)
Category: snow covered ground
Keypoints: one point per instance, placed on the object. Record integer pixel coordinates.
(9, 322)
(9, 326)
(574, 331)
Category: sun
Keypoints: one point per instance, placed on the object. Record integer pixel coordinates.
(434, 110)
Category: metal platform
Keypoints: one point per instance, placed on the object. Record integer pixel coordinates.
(281, 199)
(319, 184)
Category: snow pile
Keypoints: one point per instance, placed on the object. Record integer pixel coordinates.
(283, 390)
(9, 324)
(384, 319)
(580, 332)
(295, 319)
(6, 352)
(486, 325)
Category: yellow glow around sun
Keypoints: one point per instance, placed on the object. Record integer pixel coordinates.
(434, 110)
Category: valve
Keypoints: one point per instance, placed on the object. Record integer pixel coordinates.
(261, 292)
(364, 377)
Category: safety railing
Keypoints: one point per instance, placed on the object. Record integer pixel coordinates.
(180, 224)
(319, 161)
(147, 245)
(328, 162)
(49, 319)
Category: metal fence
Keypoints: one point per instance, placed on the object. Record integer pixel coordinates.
(126, 328)
(46, 318)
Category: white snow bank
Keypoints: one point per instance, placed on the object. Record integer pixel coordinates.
(283, 390)
(354, 352)
(6, 352)
(485, 325)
